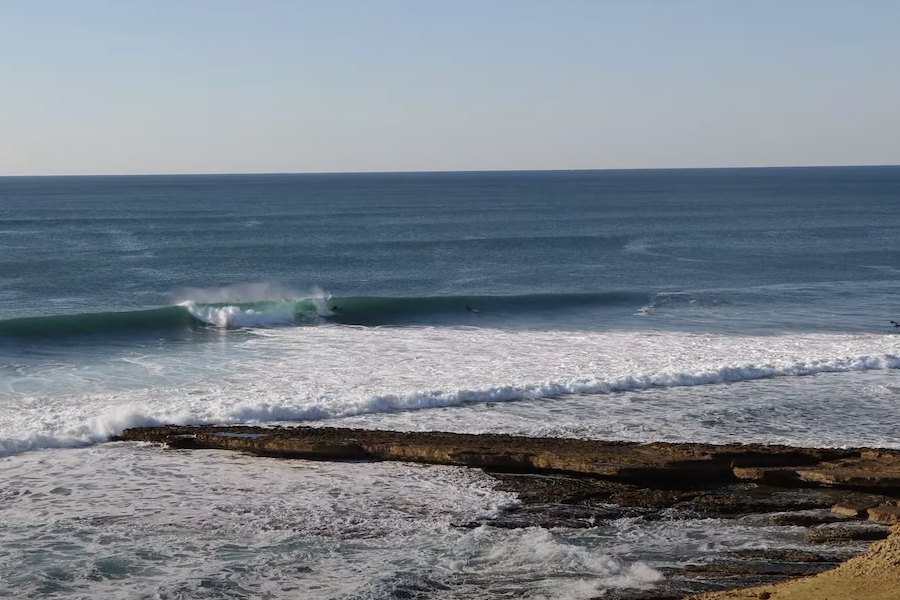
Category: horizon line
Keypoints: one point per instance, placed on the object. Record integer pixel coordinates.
(449, 171)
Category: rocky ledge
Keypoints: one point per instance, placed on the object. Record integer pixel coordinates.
(853, 469)
(844, 497)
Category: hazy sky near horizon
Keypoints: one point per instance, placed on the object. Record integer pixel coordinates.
(218, 86)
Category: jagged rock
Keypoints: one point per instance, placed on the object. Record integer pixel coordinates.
(874, 576)
(802, 519)
(872, 470)
(885, 514)
(704, 501)
(550, 487)
(743, 499)
(783, 476)
(672, 464)
(868, 470)
(855, 510)
(792, 555)
(759, 568)
(839, 535)
(560, 515)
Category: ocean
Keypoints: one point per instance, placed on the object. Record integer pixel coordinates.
(719, 305)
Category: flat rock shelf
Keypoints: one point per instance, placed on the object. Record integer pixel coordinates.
(843, 496)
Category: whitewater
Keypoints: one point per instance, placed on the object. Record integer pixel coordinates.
(332, 372)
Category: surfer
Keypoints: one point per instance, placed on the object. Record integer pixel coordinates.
(895, 323)
(470, 309)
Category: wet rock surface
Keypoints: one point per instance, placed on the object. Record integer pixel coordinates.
(583, 483)
(673, 464)
(611, 499)
(874, 576)
(793, 555)
(855, 510)
(846, 534)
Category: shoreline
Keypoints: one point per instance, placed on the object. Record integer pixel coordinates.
(840, 495)
(872, 576)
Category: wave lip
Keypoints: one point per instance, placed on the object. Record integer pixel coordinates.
(258, 314)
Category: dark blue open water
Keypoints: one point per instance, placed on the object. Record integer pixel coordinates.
(774, 248)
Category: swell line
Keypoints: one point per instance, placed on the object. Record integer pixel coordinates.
(57, 326)
(309, 311)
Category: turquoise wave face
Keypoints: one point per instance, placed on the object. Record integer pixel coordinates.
(169, 318)
(595, 311)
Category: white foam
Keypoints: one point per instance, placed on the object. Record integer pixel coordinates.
(169, 519)
(119, 520)
(274, 314)
(390, 403)
(319, 373)
(252, 305)
(541, 554)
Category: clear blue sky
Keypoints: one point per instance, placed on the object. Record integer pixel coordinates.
(195, 86)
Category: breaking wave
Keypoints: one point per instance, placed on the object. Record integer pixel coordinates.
(314, 309)
(82, 431)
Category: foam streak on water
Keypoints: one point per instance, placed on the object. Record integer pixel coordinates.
(138, 521)
(326, 373)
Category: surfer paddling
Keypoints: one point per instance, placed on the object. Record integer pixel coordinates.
(895, 323)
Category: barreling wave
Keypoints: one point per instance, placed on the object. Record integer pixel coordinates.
(312, 310)
(369, 310)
